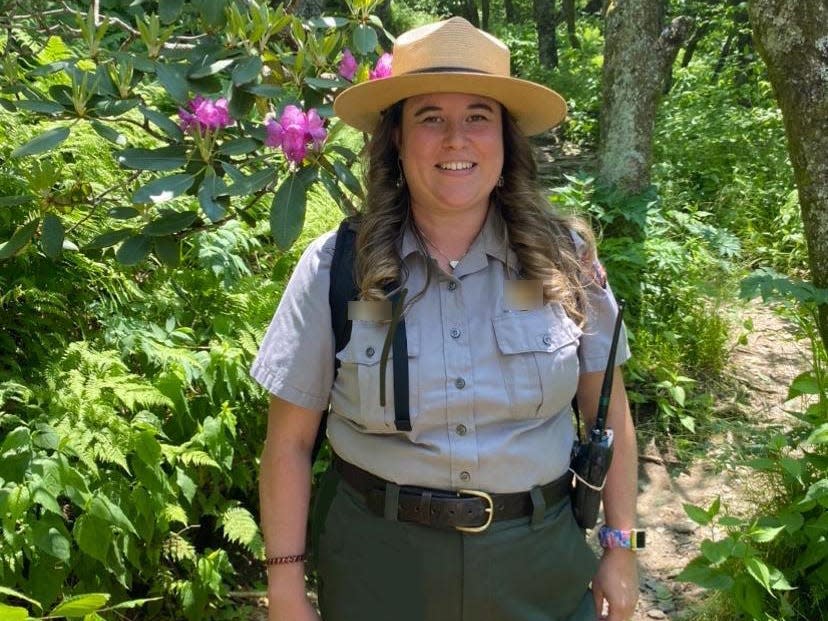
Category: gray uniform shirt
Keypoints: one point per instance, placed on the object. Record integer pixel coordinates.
(490, 388)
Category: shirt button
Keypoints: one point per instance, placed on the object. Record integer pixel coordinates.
(547, 340)
(452, 286)
(460, 383)
(455, 333)
(370, 352)
(461, 430)
(465, 476)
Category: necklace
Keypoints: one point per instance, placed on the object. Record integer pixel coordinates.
(452, 262)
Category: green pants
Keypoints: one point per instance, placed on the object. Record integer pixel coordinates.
(374, 569)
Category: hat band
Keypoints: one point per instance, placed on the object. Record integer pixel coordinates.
(447, 70)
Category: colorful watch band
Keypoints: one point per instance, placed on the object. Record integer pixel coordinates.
(615, 538)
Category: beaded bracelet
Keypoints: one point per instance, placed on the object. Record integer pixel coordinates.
(285, 560)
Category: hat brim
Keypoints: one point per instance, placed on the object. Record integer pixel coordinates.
(536, 108)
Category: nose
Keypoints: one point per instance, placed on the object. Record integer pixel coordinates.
(455, 136)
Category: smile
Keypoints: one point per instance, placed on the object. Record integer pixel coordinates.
(456, 165)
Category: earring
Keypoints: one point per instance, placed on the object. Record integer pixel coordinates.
(400, 182)
(500, 181)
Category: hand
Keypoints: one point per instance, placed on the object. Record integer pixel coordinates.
(617, 583)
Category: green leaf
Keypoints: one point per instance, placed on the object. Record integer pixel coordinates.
(211, 69)
(348, 179)
(162, 122)
(19, 239)
(110, 238)
(210, 188)
(264, 90)
(134, 250)
(169, 10)
(239, 146)
(14, 201)
(40, 106)
(115, 107)
(212, 12)
(42, 143)
(12, 593)
(717, 552)
(19, 438)
(247, 70)
(123, 213)
(767, 534)
(759, 571)
(168, 251)
(163, 159)
(326, 84)
(169, 223)
(699, 572)
(365, 39)
(13, 613)
(163, 189)
(253, 183)
(803, 384)
(108, 133)
(697, 514)
(93, 536)
(240, 527)
(103, 508)
(819, 435)
(174, 80)
(80, 605)
(50, 540)
(241, 103)
(134, 603)
(52, 235)
(287, 211)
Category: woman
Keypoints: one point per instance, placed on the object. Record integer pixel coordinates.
(505, 319)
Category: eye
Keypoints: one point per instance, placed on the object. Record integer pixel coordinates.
(475, 118)
(433, 118)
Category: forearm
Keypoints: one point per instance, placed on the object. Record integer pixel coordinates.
(284, 494)
(621, 488)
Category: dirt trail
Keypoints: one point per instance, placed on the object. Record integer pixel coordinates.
(762, 371)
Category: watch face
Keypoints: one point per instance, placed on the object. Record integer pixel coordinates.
(640, 539)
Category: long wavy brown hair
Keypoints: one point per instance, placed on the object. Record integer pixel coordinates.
(541, 238)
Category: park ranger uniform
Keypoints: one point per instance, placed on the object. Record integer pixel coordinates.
(490, 394)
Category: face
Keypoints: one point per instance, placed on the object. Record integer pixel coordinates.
(451, 147)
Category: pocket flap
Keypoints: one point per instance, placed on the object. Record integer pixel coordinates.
(368, 339)
(546, 329)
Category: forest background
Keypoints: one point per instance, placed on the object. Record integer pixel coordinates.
(146, 236)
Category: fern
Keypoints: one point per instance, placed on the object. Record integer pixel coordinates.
(240, 527)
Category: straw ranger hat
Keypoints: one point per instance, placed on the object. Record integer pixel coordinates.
(451, 57)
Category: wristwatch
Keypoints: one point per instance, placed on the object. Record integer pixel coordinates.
(609, 538)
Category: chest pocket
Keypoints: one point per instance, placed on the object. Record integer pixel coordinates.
(539, 360)
(360, 376)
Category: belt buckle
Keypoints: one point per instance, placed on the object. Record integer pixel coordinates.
(489, 510)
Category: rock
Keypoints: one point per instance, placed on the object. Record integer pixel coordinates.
(655, 613)
(684, 527)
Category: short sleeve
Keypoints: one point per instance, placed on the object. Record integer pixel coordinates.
(296, 358)
(601, 313)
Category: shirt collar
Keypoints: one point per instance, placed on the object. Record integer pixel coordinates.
(490, 241)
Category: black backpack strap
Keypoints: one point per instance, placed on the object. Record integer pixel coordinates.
(341, 290)
(402, 415)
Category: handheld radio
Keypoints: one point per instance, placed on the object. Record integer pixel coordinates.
(591, 459)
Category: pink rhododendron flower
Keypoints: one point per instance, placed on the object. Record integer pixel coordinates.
(205, 114)
(383, 67)
(294, 131)
(348, 65)
(316, 129)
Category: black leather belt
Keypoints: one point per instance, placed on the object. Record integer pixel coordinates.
(464, 510)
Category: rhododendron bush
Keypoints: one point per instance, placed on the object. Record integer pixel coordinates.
(210, 108)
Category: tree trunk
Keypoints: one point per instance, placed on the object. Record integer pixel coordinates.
(693, 43)
(470, 12)
(509, 8)
(792, 38)
(569, 17)
(637, 55)
(594, 7)
(485, 10)
(308, 8)
(546, 22)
